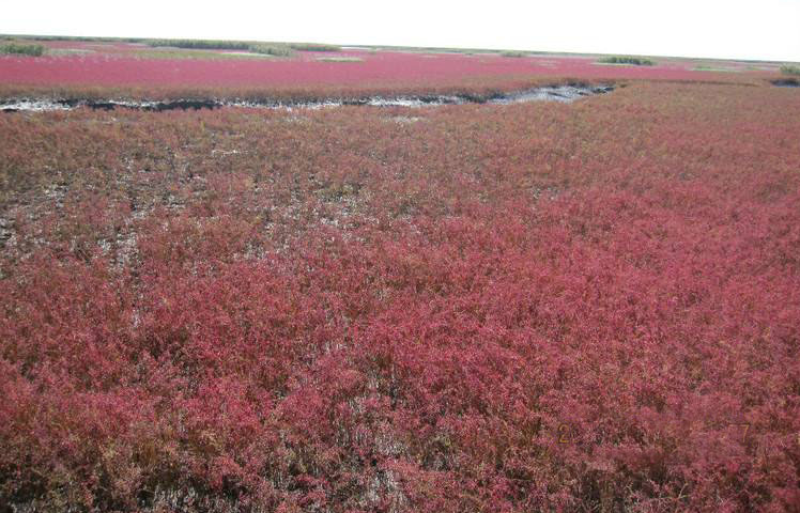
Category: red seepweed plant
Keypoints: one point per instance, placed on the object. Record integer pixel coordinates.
(537, 307)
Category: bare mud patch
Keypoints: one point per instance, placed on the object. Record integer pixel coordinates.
(564, 94)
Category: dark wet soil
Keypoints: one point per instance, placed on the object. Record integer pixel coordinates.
(786, 82)
(562, 93)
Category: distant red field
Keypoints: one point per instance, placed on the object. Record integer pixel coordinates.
(125, 69)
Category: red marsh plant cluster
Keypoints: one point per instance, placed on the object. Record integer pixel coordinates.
(309, 68)
(531, 307)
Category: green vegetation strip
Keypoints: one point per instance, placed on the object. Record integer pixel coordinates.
(22, 49)
(790, 69)
(634, 61)
(274, 49)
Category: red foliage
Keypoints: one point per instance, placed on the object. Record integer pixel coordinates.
(377, 68)
(534, 307)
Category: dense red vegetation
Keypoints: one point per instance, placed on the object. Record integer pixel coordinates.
(376, 68)
(536, 307)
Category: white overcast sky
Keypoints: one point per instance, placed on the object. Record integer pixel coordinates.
(763, 29)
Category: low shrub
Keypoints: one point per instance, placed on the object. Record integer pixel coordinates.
(275, 50)
(200, 44)
(33, 50)
(634, 61)
(790, 69)
(314, 47)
